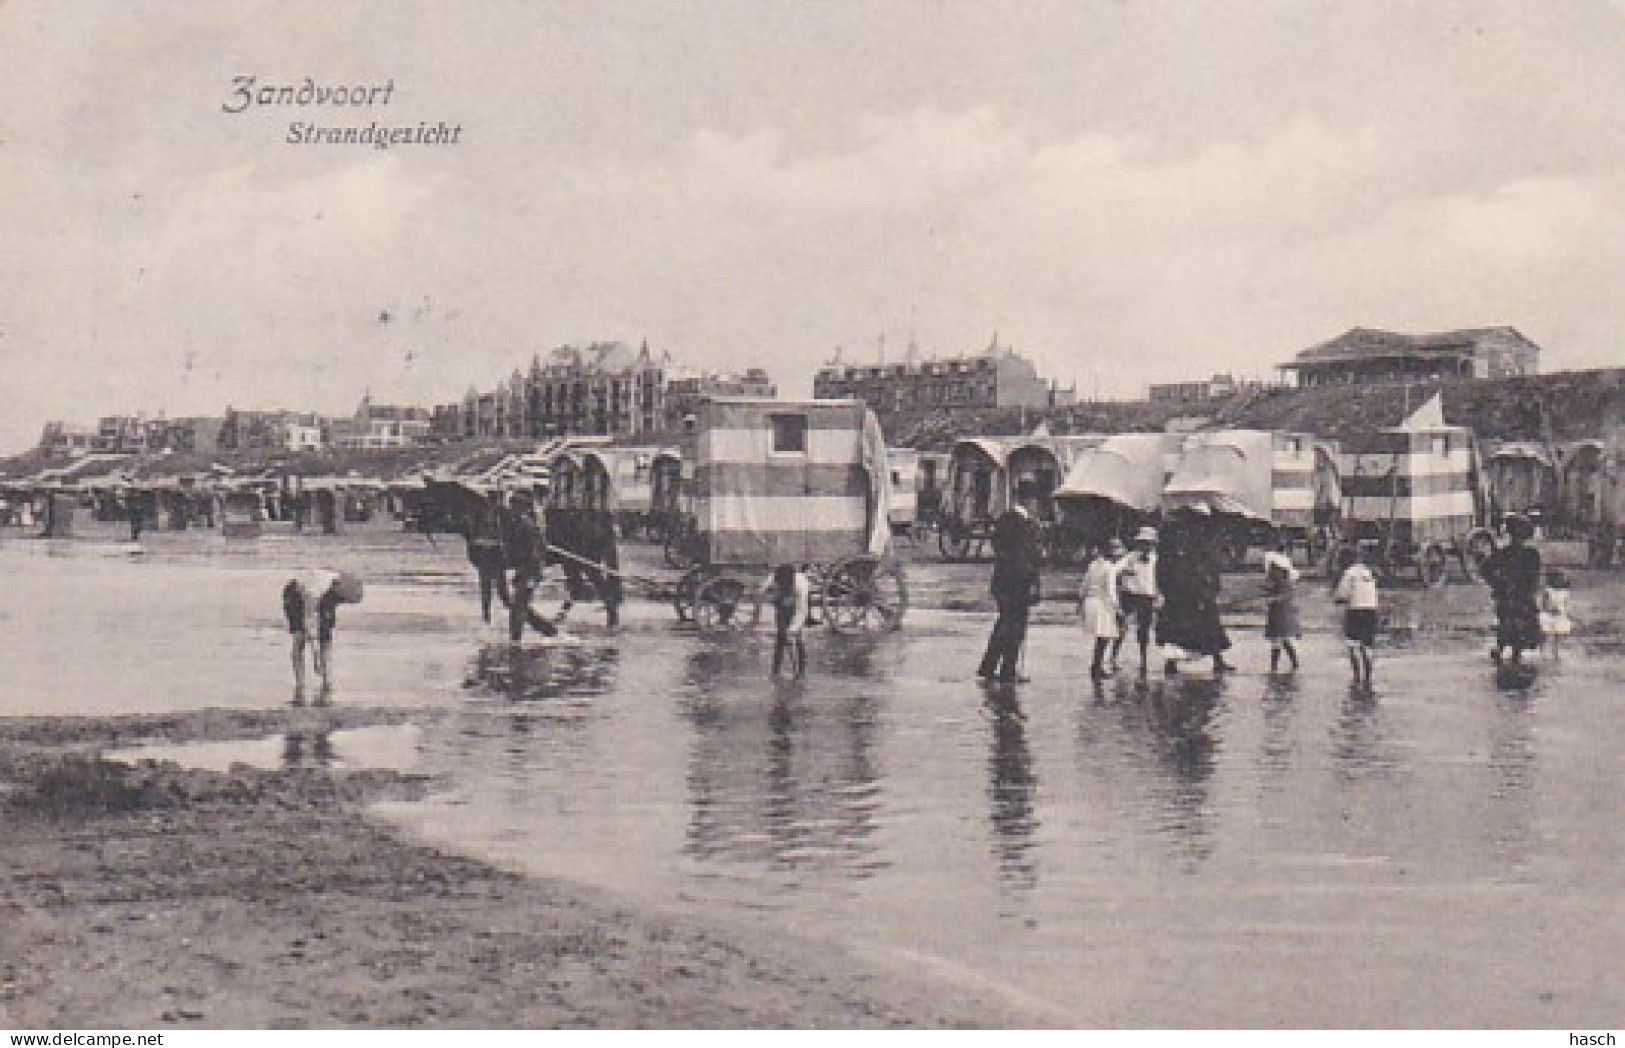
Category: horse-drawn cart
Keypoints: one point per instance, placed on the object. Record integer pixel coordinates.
(789, 482)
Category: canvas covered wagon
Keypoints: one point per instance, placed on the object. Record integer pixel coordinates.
(1116, 487)
(1261, 486)
(1521, 476)
(976, 492)
(617, 481)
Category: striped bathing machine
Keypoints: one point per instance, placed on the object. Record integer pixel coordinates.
(1412, 499)
(791, 482)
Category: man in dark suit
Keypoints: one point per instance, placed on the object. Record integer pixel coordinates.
(1015, 587)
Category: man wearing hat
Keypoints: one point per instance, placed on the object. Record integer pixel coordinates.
(310, 601)
(1137, 582)
(525, 547)
(1016, 587)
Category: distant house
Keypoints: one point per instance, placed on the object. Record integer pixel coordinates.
(685, 389)
(376, 426)
(193, 435)
(1370, 355)
(61, 440)
(1219, 387)
(249, 431)
(997, 377)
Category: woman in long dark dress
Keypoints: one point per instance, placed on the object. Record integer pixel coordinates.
(1514, 575)
(1189, 581)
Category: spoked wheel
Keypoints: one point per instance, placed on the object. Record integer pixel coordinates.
(726, 603)
(865, 595)
(1434, 564)
(955, 543)
(1478, 548)
(688, 591)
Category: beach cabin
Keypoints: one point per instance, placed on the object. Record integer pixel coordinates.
(903, 467)
(1413, 496)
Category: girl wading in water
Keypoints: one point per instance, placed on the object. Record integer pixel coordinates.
(1098, 604)
(1281, 624)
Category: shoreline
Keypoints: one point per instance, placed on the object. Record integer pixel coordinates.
(148, 896)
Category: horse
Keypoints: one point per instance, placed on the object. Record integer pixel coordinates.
(510, 550)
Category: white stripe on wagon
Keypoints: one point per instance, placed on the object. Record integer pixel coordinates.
(788, 515)
(1415, 507)
(755, 446)
(1413, 464)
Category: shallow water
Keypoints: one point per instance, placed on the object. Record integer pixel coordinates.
(1190, 852)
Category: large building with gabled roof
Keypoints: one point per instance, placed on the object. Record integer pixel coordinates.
(600, 389)
(1372, 355)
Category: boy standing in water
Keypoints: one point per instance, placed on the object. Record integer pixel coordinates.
(790, 595)
(1137, 586)
(1357, 592)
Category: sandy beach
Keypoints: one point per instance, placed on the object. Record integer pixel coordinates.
(148, 896)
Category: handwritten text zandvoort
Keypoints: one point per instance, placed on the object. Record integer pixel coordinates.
(248, 92)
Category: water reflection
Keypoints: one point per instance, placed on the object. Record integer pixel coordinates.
(1012, 789)
(1276, 750)
(1512, 766)
(1181, 716)
(784, 777)
(323, 696)
(1359, 743)
(314, 750)
(533, 672)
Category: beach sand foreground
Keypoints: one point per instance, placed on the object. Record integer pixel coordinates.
(150, 896)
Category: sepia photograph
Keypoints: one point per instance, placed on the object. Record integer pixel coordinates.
(811, 515)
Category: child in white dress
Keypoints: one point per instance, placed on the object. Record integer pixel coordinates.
(1555, 623)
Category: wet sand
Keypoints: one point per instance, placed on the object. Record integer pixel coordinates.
(149, 896)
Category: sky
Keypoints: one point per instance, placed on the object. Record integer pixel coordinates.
(1125, 192)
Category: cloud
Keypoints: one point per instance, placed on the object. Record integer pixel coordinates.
(1126, 192)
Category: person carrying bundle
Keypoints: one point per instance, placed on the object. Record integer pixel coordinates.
(310, 603)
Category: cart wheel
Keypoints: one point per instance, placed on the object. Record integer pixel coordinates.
(865, 594)
(1480, 544)
(688, 590)
(954, 543)
(727, 603)
(1435, 562)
